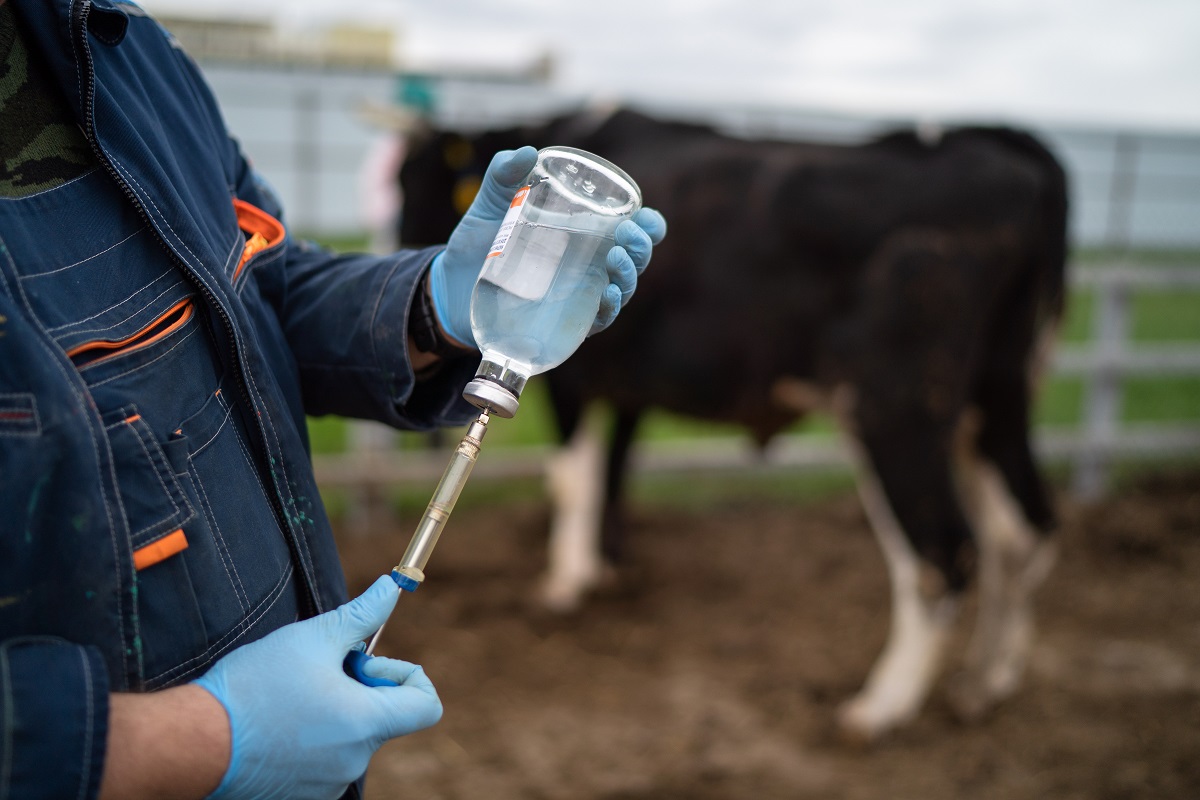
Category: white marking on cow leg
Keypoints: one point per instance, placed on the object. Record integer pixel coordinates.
(920, 626)
(1014, 562)
(575, 479)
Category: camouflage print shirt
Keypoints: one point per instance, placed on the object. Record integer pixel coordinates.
(41, 145)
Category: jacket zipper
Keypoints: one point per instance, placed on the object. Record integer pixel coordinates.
(79, 31)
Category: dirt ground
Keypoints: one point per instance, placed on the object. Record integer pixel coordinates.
(715, 669)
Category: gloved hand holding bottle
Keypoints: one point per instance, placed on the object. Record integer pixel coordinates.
(301, 728)
(453, 273)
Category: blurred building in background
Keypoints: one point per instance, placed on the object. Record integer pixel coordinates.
(259, 42)
(309, 106)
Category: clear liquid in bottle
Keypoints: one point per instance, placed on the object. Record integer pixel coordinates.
(541, 284)
(541, 315)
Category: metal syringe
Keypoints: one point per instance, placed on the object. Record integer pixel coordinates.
(410, 572)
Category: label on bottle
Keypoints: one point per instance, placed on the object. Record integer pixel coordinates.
(509, 222)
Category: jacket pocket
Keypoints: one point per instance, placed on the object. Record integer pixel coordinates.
(97, 351)
(159, 516)
(263, 234)
(238, 560)
(154, 503)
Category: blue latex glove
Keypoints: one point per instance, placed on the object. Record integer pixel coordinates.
(301, 726)
(453, 273)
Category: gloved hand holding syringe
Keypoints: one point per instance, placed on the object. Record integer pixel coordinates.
(565, 258)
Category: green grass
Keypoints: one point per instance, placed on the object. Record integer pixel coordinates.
(1155, 316)
(1059, 402)
(327, 434)
(1165, 317)
(341, 243)
(1098, 256)
(1077, 323)
(1161, 399)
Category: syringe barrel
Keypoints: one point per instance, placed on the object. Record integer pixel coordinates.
(436, 514)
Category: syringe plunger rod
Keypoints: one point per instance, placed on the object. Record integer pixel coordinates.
(425, 538)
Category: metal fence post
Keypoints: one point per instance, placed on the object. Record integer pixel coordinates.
(307, 154)
(1102, 407)
(1121, 191)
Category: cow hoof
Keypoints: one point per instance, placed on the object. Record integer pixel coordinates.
(859, 725)
(970, 700)
(566, 595)
(851, 737)
(562, 597)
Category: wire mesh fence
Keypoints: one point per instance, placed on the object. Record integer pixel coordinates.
(311, 133)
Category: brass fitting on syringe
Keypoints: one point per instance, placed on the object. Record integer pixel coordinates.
(410, 572)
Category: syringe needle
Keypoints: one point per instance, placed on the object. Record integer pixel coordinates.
(370, 650)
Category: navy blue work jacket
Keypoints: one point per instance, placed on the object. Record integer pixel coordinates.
(161, 341)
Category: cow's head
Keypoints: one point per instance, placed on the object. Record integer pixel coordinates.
(443, 169)
(438, 180)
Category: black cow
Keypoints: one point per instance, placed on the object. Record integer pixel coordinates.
(909, 286)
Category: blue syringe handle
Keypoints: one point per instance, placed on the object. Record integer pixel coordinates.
(353, 665)
(357, 658)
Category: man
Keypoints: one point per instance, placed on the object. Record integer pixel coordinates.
(172, 609)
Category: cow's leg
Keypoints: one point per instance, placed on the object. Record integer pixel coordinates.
(612, 543)
(573, 477)
(910, 499)
(1012, 515)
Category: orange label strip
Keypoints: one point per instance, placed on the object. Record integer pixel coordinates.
(161, 550)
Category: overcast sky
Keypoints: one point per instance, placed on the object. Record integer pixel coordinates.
(1125, 62)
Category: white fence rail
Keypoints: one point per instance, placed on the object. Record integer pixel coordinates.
(1105, 362)
(1091, 448)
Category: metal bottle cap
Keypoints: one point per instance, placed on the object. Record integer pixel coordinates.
(488, 394)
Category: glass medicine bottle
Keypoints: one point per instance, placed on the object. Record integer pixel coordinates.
(541, 284)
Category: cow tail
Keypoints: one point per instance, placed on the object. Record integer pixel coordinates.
(1050, 261)
(1055, 213)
